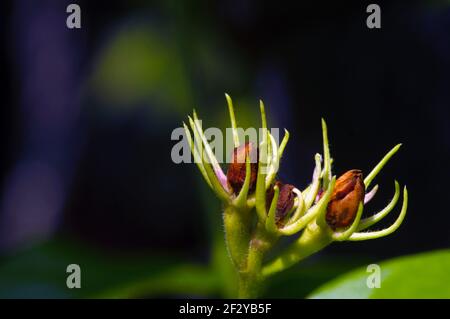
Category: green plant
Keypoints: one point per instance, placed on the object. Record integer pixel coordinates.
(258, 210)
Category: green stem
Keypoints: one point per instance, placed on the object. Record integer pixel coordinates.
(250, 279)
(312, 240)
(237, 233)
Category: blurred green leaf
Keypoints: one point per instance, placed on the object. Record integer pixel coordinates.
(299, 281)
(40, 272)
(141, 65)
(425, 275)
(184, 280)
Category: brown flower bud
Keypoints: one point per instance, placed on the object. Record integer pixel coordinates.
(348, 192)
(285, 200)
(236, 170)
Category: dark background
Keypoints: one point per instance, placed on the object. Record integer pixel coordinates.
(87, 114)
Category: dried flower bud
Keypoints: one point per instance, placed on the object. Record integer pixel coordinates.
(236, 170)
(348, 192)
(285, 200)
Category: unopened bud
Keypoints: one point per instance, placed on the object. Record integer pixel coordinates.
(285, 200)
(348, 192)
(237, 168)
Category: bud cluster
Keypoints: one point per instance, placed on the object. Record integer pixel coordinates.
(328, 209)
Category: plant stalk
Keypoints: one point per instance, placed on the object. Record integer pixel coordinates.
(237, 233)
(251, 281)
(312, 240)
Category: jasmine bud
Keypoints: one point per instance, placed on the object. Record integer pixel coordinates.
(285, 200)
(236, 170)
(348, 192)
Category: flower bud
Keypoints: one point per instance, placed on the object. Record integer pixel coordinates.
(285, 200)
(348, 192)
(237, 168)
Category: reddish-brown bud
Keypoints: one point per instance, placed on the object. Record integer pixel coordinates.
(348, 192)
(236, 169)
(285, 200)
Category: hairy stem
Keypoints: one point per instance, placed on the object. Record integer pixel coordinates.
(250, 279)
(237, 234)
(312, 240)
